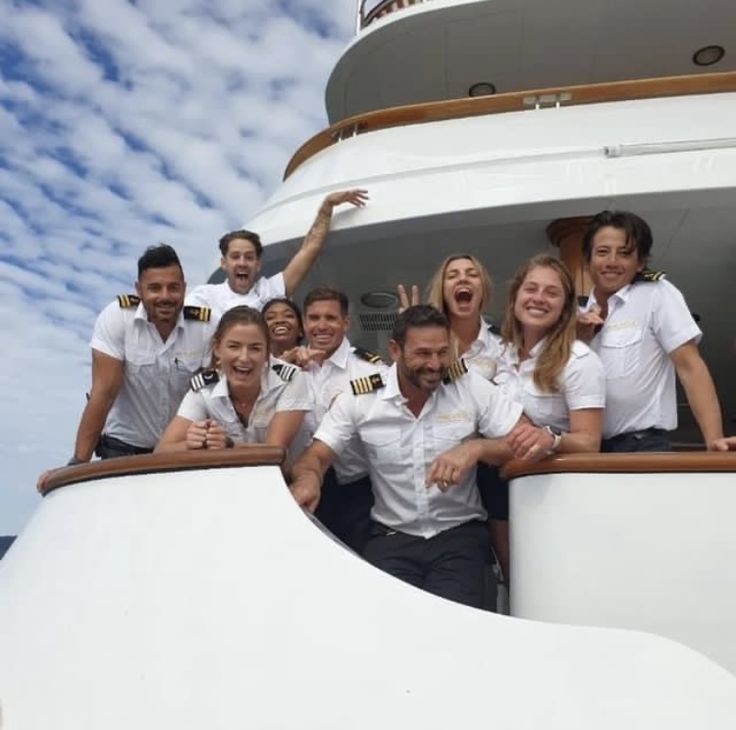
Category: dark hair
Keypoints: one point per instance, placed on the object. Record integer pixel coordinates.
(254, 238)
(326, 294)
(288, 303)
(637, 230)
(237, 315)
(420, 315)
(157, 257)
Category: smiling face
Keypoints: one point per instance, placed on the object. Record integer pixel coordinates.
(540, 300)
(614, 261)
(325, 325)
(241, 265)
(162, 290)
(462, 288)
(284, 328)
(242, 352)
(423, 359)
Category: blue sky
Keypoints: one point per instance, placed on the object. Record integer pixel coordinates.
(123, 124)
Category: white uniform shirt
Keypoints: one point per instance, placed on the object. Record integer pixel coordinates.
(213, 401)
(401, 447)
(326, 382)
(155, 373)
(646, 322)
(220, 297)
(483, 353)
(582, 385)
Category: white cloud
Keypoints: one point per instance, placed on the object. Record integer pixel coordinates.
(122, 125)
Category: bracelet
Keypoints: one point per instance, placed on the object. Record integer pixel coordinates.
(74, 461)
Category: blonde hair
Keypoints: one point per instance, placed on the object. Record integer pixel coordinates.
(435, 289)
(559, 340)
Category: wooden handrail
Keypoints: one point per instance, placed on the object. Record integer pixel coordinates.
(512, 102)
(245, 455)
(642, 462)
(382, 8)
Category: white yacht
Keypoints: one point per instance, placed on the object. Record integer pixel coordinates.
(192, 592)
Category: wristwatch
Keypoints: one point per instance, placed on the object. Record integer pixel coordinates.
(556, 435)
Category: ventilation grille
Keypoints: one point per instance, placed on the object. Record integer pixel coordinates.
(377, 321)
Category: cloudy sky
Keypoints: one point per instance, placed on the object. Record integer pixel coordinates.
(125, 123)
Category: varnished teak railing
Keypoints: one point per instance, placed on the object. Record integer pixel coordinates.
(258, 455)
(245, 455)
(512, 102)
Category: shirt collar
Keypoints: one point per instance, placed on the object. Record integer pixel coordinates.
(391, 389)
(142, 315)
(622, 295)
(221, 390)
(339, 358)
(482, 341)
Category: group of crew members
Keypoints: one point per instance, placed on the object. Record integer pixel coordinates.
(401, 462)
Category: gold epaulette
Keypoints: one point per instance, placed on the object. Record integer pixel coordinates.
(202, 379)
(201, 314)
(126, 301)
(367, 384)
(649, 275)
(284, 371)
(367, 355)
(455, 371)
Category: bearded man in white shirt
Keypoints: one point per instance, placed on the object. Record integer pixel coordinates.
(418, 426)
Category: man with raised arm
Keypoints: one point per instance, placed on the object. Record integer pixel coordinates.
(418, 426)
(241, 261)
(145, 348)
(642, 330)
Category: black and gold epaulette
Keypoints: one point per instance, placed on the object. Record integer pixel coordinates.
(126, 301)
(649, 275)
(201, 314)
(367, 355)
(202, 379)
(284, 371)
(455, 371)
(367, 384)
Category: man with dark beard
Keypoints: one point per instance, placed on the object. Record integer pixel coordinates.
(145, 348)
(418, 425)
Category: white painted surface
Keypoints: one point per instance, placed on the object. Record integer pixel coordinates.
(655, 552)
(208, 600)
(512, 164)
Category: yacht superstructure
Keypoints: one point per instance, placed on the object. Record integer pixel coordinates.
(193, 592)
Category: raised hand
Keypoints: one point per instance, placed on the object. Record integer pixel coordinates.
(405, 300)
(587, 322)
(357, 197)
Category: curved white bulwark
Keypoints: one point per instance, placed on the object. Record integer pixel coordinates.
(207, 599)
(644, 548)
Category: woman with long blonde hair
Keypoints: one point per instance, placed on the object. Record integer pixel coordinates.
(461, 288)
(558, 379)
